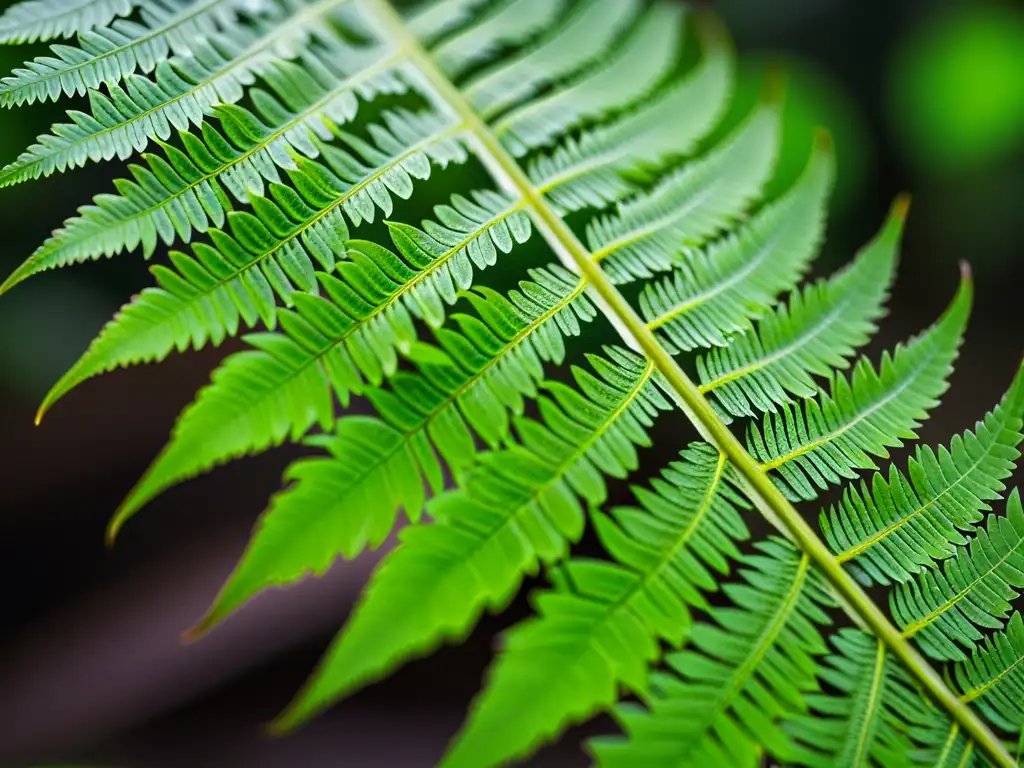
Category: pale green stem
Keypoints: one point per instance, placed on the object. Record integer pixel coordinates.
(564, 241)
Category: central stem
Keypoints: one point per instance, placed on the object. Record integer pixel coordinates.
(764, 492)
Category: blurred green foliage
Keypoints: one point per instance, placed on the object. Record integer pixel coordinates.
(956, 90)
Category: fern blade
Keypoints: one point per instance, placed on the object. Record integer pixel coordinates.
(592, 171)
(993, 678)
(519, 507)
(256, 266)
(107, 56)
(32, 20)
(599, 628)
(868, 718)
(510, 23)
(647, 233)
(371, 474)
(724, 699)
(630, 75)
(823, 443)
(566, 50)
(714, 295)
(436, 416)
(894, 528)
(180, 95)
(815, 334)
(189, 189)
(946, 610)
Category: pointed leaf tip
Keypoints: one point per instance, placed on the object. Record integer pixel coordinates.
(115, 525)
(966, 274)
(895, 222)
(711, 30)
(901, 206)
(773, 91)
(17, 276)
(823, 141)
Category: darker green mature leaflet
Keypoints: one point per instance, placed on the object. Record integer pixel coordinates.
(498, 422)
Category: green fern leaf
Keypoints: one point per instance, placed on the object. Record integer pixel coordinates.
(866, 721)
(258, 399)
(823, 442)
(32, 20)
(712, 295)
(591, 171)
(569, 107)
(110, 54)
(738, 678)
(519, 506)
(893, 529)
(648, 232)
(599, 628)
(510, 23)
(627, 78)
(181, 94)
(945, 611)
(993, 678)
(434, 415)
(566, 50)
(271, 254)
(336, 505)
(432, 19)
(815, 334)
(188, 191)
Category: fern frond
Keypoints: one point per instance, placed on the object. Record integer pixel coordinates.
(713, 295)
(432, 19)
(510, 23)
(866, 721)
(486, 371)
(32, 20)
(520, 506)
(181, 94)
(727, 694)
(108, 55)
(647, 234)
(813, 335)
(272, 253)
(810, 447)
(627, 78)
(945, 610)
(894, 528)
(348, 345)
(744, 685)
(187, 190)
(591, 171)
(599, 627)
(580, 40)
(993, 678)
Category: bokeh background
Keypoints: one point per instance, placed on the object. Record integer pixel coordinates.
(921, 95)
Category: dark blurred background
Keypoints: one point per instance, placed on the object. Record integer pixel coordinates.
(921, 95)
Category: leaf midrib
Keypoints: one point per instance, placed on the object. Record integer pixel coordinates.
(871, 708)
(765, 494)
(764, 642)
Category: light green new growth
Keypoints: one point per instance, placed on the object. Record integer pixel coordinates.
(283, 145)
